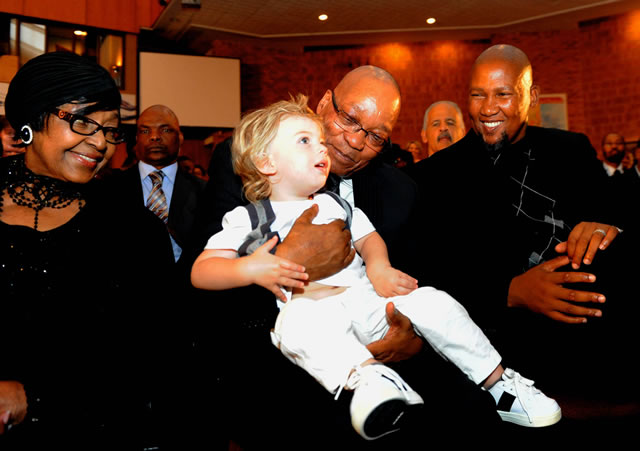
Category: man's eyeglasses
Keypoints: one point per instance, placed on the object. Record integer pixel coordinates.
(82, 125)
(350, 125)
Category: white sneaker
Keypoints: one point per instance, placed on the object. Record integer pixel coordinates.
(519, 402)
(381, 400)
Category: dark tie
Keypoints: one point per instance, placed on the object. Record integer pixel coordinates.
(333, 183)
(157, 201)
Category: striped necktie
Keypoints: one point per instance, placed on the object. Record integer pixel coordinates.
(157, 201)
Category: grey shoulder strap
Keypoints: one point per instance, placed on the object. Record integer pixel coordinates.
(344, 204)
(262, 216)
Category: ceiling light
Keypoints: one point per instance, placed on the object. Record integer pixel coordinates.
(80, 33)
(323, 17)
(431, 20)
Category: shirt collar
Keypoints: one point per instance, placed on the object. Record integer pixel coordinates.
(611, 170)
(168, 171)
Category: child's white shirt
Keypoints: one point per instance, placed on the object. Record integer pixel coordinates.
(236, 225)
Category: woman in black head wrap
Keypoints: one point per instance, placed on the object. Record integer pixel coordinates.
(72, 267)
(66, 111)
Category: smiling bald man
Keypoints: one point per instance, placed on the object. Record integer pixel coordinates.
(521, 230)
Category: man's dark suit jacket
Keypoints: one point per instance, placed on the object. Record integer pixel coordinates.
(175, 312)
(626, 188)
(187, 190)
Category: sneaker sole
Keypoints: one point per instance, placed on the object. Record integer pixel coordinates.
(538, 422)
(387, 418)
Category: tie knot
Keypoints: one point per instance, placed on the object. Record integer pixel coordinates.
(156, 177)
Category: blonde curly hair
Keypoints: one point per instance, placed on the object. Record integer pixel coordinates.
(251, 139)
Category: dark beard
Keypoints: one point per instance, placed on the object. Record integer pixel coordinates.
(494, 150)
(616, 159)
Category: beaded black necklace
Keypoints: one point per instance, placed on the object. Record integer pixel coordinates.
(37, 191)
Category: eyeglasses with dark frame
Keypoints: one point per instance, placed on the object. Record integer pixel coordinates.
(351, 125)
(82, 125)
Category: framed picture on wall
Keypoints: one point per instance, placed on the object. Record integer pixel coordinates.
(4, 87)
(128, 109)
(551, 112)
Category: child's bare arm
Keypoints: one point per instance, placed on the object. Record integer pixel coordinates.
(386, 280)
(218, 269)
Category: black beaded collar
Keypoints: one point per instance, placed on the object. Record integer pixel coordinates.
(34, 191)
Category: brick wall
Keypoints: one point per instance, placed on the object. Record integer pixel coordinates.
(597, 66)
(611, 76)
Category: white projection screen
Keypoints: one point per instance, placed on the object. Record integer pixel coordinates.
(203, 91)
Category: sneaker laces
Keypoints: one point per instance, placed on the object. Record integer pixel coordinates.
(520, 385)
(354, 378)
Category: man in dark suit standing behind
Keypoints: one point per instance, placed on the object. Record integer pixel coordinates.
(157, 181)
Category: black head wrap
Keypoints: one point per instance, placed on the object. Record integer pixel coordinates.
(53, 79)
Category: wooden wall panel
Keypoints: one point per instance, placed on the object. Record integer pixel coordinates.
(148, 12)
(121, 15)
(113, 15)
(130, 63)
(156, 10)
(12, 6)
(72, 11)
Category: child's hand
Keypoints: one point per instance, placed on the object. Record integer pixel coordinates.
(389, 282)
(273, 272)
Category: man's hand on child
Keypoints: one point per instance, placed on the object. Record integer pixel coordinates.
(324, 249)
(272, 272)
(389, 282)
(400, 342)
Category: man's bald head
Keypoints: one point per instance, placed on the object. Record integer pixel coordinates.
(366, 74)
(162, 110)
(505, 53)
(365, 102)
(501, 92)
(158, 136)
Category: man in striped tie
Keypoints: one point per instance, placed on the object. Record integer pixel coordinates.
(168, 192)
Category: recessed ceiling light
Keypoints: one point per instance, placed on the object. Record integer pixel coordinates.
(431, 20)
(80, 33)
(323, 17)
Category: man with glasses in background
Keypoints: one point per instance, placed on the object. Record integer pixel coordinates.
(263, 389)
